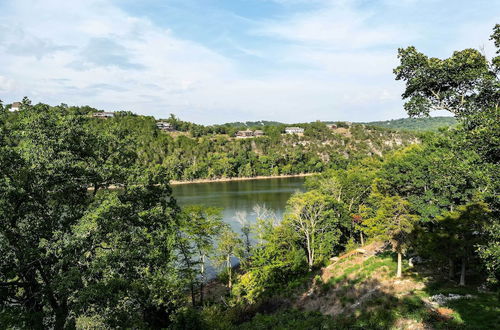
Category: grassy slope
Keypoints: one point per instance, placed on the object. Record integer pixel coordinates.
(361, 292)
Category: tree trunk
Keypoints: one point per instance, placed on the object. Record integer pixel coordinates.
(309, 253)
(202, 282)
(361, 236)
(33, 304)
(247, 243)
(61, 316)
(462, 273)
(229, 271)
(193, 295)
(400, 264)
(451, 269)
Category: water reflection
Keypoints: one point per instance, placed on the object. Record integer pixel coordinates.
(240, 196)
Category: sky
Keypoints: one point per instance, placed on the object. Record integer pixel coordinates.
(216, 61)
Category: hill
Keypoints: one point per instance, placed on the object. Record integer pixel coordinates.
(208, 152)
(191, 151)
(252, 124)
(416, 124)
(407, 124)
(358, 290)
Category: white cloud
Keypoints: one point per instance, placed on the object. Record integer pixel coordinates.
(333, 62)
(137, 65)
(337, 25)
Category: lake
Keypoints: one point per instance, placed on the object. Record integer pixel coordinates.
(240, 196)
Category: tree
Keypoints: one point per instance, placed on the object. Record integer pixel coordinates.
(464, 229)
(311, 215)
(229, 245)
(71, 254)
(391, 221)
(275, 259)
(241, 218)
(463, 84)
(467, 84)
(350, 188)
(202, 225)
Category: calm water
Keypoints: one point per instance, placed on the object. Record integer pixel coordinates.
(240, 196)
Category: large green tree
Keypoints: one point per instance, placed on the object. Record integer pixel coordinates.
(392, 221)
(69, 253)
(467, 84)
(315, 218)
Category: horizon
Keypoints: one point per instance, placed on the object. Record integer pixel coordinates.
(446, 115)
(214, 62)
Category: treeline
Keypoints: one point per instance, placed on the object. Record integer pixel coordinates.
(217, 154)
(416, 124)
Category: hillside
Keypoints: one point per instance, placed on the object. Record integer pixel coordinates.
(191, 151)
(416, 124)
(204, 152)
(408, 124)
(260, 123)
(359, 290)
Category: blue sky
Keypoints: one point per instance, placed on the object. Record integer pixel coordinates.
(214, 61)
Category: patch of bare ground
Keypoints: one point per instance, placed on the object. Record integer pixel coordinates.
(352, 280)
(343, 131)
(409, 324)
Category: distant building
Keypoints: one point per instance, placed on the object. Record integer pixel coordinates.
(258, 133)
(294, 130)
(164, 126)
(244, 134)
(15, 106)
(103, 115)
(332, 126)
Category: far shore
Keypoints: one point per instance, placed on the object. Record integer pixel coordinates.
(245, 178)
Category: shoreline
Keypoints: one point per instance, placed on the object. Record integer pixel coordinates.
(244, 178)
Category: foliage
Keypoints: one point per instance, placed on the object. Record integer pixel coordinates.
(217, 154)
(70, 253)
(416, 124)
(466, 84)
(391, 221)
(313, 216)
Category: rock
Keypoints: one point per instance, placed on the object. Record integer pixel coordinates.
(442, 299)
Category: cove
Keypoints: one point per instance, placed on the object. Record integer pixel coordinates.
(240, 196)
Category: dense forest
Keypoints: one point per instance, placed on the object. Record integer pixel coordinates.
(419, 124)
(77, 254)
(213, 152)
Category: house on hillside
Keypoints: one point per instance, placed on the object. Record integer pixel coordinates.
(15, 106)
(294, 130)
(103, 115)
(164, 126)
(332, 126)
(244, 134)
(258, 133)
